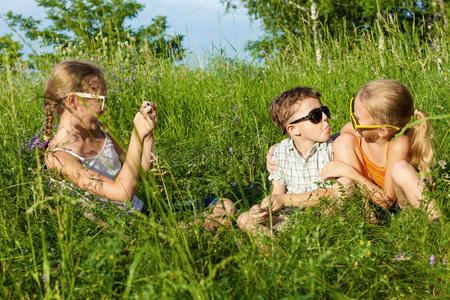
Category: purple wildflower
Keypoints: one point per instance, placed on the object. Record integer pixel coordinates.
(221, 132)
(121, 67)
(235, 118)
(112, 72)
(153, 79)
(235, 108)
(33, 143)
(432, 260)
(231, 150)
(43, 278)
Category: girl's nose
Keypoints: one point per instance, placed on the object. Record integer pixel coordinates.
(324, 117)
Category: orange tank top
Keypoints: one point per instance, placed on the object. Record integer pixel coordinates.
(375, 172)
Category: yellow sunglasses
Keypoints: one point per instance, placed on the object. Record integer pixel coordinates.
(356, 126)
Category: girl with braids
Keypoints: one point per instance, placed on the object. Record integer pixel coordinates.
(368, 152)
(80, 150)
(83, 153)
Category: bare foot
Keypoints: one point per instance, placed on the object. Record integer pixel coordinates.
(433, 213)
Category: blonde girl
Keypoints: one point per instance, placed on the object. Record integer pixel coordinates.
(368, 152)
(80, 151)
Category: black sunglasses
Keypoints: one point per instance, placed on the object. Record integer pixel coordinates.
(315, 116)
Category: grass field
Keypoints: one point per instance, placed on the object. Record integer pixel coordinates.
(213, 133)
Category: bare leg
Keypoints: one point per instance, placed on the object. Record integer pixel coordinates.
(405, 177)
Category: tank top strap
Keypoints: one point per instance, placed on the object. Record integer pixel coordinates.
(70, 152)
(108, 140)
(359, 144)
(387, 151)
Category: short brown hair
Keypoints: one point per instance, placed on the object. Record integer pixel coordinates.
(280, 108)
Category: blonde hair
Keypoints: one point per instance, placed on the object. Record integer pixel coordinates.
(66, 77)
(389, 102)
(280, 108)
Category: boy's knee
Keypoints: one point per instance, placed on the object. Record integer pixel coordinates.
(224, 207)
(244, 221)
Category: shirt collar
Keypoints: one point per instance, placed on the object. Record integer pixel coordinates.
(317, 146)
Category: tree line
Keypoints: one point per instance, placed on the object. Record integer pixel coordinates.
(74, 21)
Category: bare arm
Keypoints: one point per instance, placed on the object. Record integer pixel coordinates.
(149, 142)
(147, 152)
(121, 188)
(306, 199)
(271, 165)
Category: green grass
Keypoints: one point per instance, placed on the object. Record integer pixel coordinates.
(48, 248)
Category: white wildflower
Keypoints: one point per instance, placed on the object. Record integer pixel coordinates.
(442, 164)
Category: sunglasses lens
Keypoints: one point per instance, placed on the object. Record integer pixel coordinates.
(315, 116)
(326, 111)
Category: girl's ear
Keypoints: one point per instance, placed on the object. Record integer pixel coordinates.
(383, 132)
(71, 102)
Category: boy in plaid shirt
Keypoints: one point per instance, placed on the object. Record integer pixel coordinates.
(299, 113)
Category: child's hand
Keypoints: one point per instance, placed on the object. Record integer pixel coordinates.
(276, 202)
(270, 163)
(336, 169)
(257, 215)
(145, 120)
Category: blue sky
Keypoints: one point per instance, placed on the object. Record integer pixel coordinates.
(204, 23)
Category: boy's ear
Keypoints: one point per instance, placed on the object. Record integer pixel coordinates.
(292, 129)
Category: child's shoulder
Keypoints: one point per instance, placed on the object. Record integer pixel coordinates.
(284, 148)
(399, 145)
(287, 142)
